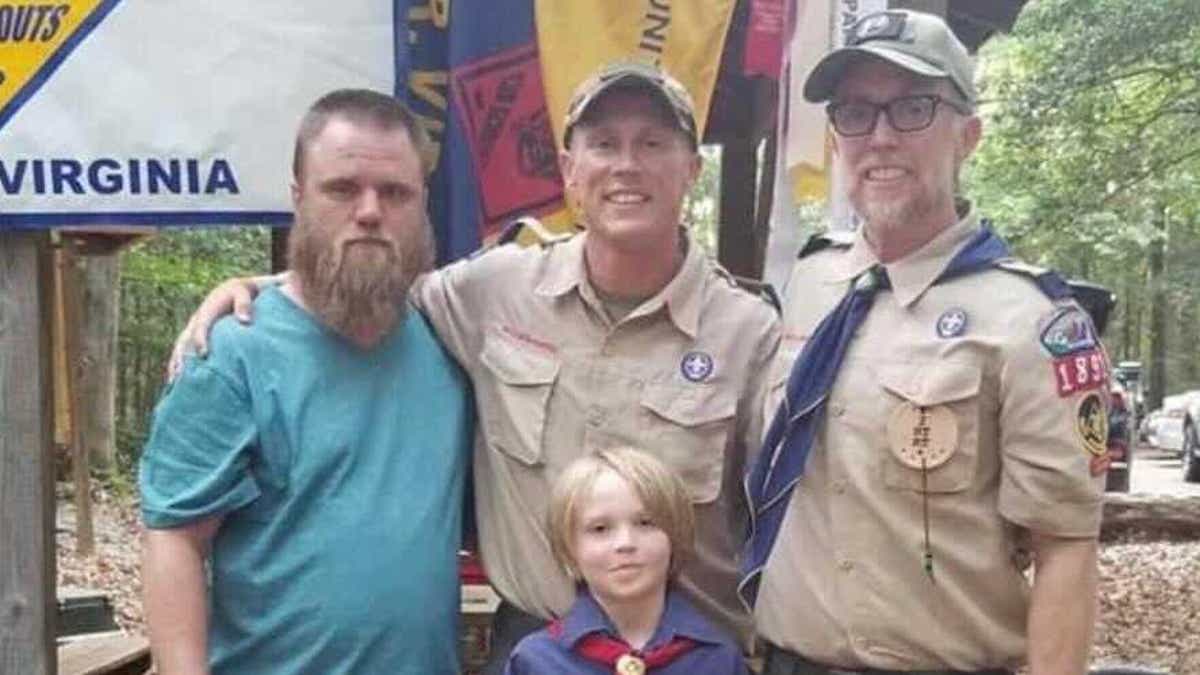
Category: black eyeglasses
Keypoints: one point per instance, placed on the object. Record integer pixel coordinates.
(907, 113)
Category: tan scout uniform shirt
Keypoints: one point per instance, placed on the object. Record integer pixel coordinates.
(845, 584)
(682, 376)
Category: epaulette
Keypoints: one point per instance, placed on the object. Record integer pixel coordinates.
(1095, 299)
(824, 240)
(530, 230)
(1047, 280)
(760, 289)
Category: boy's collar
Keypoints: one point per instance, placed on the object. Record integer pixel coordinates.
(679, 618)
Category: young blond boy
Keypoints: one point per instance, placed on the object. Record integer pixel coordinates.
(622, 525)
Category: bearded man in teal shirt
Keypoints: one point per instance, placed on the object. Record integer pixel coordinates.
(302, 487)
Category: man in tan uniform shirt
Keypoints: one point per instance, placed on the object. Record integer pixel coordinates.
(956, 439)
(624, 334)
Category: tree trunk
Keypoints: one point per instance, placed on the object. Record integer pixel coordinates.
(1128, 305)
(97, 382)
(1158, 317)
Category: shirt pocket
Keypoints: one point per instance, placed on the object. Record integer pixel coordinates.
(689, 428)
(513, 399)
(950, 385)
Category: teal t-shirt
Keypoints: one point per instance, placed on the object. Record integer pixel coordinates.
(339, 473)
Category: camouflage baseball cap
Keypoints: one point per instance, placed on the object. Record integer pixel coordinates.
(632, 74)
(917, 42)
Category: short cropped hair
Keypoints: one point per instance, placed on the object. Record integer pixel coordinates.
(662, 492)
(366, 107)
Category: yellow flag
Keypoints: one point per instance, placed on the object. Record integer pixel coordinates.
(575, 37)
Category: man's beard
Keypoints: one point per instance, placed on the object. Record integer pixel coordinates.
(358, 287)
(906, 214)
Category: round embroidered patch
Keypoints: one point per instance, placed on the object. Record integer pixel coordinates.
(952, 323)
(696, 366)
(922, 437)
(1092, 424)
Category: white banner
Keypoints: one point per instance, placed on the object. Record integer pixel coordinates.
(171, 112)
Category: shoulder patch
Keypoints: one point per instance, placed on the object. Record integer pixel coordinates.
(824, 240)
(1091, 422)
(1067, 330)
(1047, 280)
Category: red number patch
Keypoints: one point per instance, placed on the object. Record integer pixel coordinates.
(1080, 371)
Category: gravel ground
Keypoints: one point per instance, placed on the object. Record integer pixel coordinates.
(1150, 606)
(116, 567)
(1149, 590)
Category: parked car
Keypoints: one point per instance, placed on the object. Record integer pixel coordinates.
(1148, 427)
(1168, 431)
(1124, 412)
(1189, 451)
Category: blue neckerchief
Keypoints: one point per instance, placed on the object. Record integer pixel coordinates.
(790, 437)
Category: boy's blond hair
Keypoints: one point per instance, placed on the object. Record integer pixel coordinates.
(662, 493)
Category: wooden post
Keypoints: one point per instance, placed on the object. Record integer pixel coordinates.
(736, 244)
(98, 373)
(279, 246)
(746, 193)
(27, 564)
(71, 278)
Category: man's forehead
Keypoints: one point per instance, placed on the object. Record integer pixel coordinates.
(342, 131)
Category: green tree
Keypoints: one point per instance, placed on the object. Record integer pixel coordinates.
(162, 280)
(1091, 161)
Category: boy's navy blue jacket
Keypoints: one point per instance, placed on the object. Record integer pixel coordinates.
(544, 653)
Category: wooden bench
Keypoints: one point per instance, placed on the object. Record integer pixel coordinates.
(105, 654)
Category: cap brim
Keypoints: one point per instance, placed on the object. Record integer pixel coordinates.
(823, 79)
(628, 79)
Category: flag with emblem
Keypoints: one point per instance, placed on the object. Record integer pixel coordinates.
(475, 78)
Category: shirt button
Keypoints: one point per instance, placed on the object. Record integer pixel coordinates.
(846, 566)
(595, 417)
(838, 411)
(839, 487)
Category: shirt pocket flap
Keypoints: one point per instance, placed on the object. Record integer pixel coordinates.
(927, 385)
(691, 407)
(518, 366)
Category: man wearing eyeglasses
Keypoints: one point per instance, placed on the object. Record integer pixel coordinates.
(935, 410)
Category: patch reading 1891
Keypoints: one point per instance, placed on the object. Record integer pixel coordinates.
(1080, 371)
(35, 38)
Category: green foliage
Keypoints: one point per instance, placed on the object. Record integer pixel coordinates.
(1091, 158)
(162, 280)
(700, 205)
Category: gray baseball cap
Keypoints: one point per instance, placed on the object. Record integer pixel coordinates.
(915, 41)
(632, 74)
